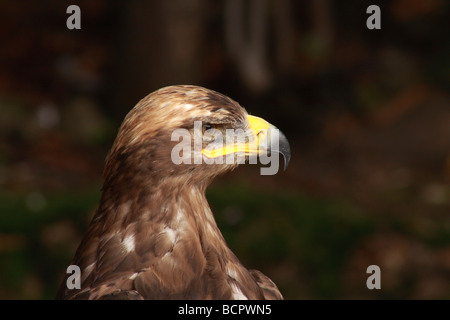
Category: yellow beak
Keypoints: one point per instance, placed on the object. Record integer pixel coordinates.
(258, 141)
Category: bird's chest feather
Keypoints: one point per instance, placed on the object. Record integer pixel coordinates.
(181, 257)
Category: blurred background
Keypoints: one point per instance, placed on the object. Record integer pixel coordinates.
(367, 113)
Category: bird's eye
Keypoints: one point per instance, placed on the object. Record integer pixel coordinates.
(207, 127)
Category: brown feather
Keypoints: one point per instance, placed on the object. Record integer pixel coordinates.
(153, 235)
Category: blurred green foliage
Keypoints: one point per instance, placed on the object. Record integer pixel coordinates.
(313, 236)
(262, 228)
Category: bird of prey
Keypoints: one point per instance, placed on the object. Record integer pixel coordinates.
(153, 235)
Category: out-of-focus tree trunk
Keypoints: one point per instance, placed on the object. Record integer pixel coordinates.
(284, 31)
(247, 43)
(323, 26)
(159, 44)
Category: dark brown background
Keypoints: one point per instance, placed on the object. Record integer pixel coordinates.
(367, 113)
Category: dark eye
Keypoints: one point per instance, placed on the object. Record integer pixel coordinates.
(207, 127)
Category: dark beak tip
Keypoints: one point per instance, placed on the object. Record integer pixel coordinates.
(287, 158)
(285, 150)
(283, 147)
(286, 162)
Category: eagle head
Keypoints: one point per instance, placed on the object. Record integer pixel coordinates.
(190, 134)
(153, 235)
